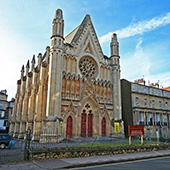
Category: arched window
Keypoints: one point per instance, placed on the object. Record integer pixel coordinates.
(54, 41)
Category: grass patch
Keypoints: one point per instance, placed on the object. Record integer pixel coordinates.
(108, 144)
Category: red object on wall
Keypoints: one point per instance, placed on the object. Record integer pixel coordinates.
(104, 126)
(83, 124)
(90, 125)
(69, 127)
(136, 130)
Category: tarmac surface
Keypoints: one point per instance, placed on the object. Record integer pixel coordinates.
(83, 161)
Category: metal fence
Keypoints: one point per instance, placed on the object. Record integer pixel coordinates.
(20, 151)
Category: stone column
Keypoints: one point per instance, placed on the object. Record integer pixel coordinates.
(115, 78)
(37, 130)
(32, 101)
(53, 113)
(25, 108)
(19, 108)
(13, 118)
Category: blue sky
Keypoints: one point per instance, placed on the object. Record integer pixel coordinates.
(143, 28)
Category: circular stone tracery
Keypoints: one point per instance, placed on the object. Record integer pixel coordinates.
(88, 66)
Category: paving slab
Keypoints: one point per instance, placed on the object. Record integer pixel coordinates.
(84, 161)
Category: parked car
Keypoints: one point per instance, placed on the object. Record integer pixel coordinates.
(5, 140)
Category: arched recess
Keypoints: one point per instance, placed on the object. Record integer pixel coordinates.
(69, 127)
(65, 119)
(68, 86)
(104, 126)
(63, 86)
(107, 124)
(45, 98)
(93, 116)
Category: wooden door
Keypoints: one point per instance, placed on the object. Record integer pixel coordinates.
(83, 124)
(104, 126)
(90, 125)
(69, 127)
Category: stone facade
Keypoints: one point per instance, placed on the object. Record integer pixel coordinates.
(5, 111)
(73, 90)
(148, 106)
(3, 115)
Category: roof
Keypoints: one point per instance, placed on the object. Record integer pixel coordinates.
(166, 88)
(76, 33)
(70, 36)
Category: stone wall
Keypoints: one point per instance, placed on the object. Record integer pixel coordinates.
(59, 153)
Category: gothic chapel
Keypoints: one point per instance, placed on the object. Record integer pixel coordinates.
(72, 91)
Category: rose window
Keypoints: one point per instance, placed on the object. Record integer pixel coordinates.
(88, 67)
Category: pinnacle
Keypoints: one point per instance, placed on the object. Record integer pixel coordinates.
(59, 14)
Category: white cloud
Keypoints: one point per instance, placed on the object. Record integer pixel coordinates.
(138, 28)
(136, 65)
(140, 63)
(162, 78)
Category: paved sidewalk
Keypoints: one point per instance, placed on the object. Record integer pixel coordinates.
(84, 161)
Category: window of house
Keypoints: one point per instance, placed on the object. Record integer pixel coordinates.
(136, 88)
(153, 103)
(157, 119)
(164, 119)
(150, 121)
(2, 114)
(1, 105)
(159, 92)
(5, 123)
(165, 93)
(145, 102)
(152, 91)
(141, 121)
(144, 90)
(137, 101)
(160, 104)
(166, 105)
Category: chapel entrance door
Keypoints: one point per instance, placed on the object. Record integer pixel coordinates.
(104, 126)
(90, 124)
(83, 124)
(69, 127)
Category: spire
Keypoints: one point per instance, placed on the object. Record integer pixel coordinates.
(59, 14)
(58, 24)
(47, 54)
(39, 59)
(114, 45)
(33, 63)
(22, 72)
(27, 67)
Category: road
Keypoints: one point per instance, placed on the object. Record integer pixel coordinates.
(147, 164)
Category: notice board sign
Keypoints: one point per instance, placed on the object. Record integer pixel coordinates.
(136, 130)
(116, 127)
(61, 127)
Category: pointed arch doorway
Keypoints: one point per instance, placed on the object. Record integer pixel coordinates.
(69, 127)
(90, 124)
(104, 126)
(87, 122)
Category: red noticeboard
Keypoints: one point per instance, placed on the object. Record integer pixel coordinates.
(136, 130)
